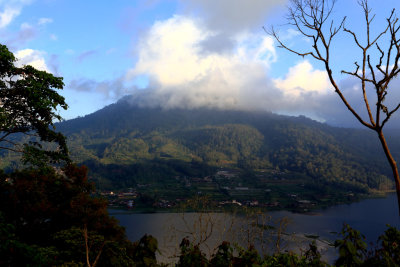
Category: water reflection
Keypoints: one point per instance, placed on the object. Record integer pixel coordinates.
(281, 230)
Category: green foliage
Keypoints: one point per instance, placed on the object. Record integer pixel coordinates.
(44, 216)
(388, 252)
(38, 228)
(224, 256)
(352, 248)
(13, 252)
(390, 247)
(248, 257)
(352, 252)
(191, 255)
(235, 256)
(70, 244)
(144, 251)
(28, 103)
(313, 256)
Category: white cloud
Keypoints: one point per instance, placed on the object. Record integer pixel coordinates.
(181, 75)
(31, 57)
(8, 15)
(303, 78)
(170, 52)
(43, 21)
(10, 10)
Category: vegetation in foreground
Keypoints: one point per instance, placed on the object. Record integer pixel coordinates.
(352, 252)
(51, 218)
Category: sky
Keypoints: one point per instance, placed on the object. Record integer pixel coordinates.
(190, 54)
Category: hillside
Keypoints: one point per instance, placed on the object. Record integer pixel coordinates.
(125, 145)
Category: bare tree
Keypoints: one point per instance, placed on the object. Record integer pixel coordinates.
(312, 19)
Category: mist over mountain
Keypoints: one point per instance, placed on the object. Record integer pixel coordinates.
(125, 134)
(125, 144)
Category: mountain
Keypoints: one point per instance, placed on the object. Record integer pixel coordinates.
(126, 145)
(124, 134)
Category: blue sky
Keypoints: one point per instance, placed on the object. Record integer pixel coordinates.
(183, 53)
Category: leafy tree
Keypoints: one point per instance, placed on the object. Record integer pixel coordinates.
(28, 106)
(144, 251)
(310, 18)
(352, 248)
(388, 252)
(224, 256)
(191, 255)
(54, 213)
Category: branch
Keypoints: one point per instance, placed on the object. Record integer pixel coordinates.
(98, 254)
(85, 235)
(379, 36)
(344, 100)
(371, 70)
(11, 149)
(380, 59)
(312, 15)
(355, 74)
(282, 45)
(354, 37)
(4, 136)
(335, 30)
(388, 115)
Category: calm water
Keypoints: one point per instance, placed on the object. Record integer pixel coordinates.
(368, 216)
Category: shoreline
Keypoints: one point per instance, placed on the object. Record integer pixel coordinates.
(246, 209)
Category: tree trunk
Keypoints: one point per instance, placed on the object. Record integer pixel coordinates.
(393, 165)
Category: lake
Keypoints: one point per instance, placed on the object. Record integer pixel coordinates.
(369, 216)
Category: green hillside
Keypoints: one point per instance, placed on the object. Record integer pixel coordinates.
(125, 145)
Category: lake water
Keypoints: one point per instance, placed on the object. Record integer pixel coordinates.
(369, 216)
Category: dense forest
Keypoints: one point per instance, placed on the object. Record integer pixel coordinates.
(148, 144)
(125, 134)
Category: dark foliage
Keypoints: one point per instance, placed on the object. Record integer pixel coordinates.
(46, 212)
(28, 103)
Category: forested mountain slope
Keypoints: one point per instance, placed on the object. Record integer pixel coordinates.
(125, 144)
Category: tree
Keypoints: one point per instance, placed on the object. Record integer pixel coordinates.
(47, 210)
(311, 19)
(48, 216)
(28, 106)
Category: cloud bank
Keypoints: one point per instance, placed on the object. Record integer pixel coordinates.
(171, 55)
(181, 75)
(211, 56)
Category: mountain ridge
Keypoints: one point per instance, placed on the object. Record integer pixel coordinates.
(124, 133)
(137, 141)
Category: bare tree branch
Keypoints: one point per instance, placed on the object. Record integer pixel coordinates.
(11, 149)
(310, 17)
(389, 115)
